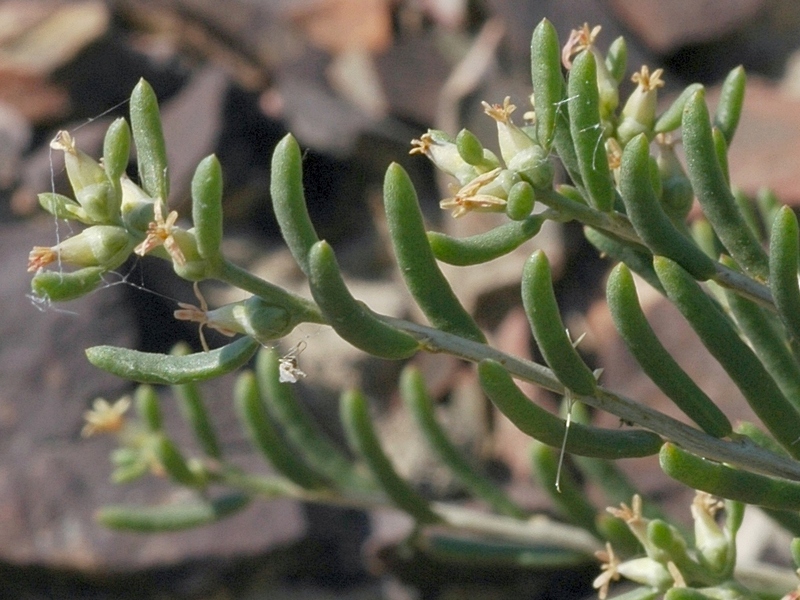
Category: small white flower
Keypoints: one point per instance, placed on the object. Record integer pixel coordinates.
(288, 371)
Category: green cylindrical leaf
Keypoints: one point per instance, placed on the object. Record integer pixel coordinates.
(154, 519)
(304, 434)
(587, 132)
(415, 258)
(547, 428)
(742, 365)
(760, 329)
(784, 246)
(760, 437)
(351, 319)
(62, 207)
(768, 206)
(721, 149)
(148, 407)
(362, 438)
(483, 247)
(486, 553)
(548, 329)
(194, 411)
(174, 463)
(117, 149)
(548, 83)
(649, 219)
(731, 100)
(677, 196)
(795, 550)
(147, 367)
(617, 59)
(116, 154)
(565, 146)
(289, 201)
(670, 119)
(55, 286)
(419, 403)
(151, 151)
(713, 193)
(727, 482)
(207, 208)
(748, 211)
(564, 491)
(654, 359)
(263, 434)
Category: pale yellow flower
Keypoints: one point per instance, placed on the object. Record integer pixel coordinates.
(105, 417)
(579, 39)
(199, 314)
(608, 569)
(160, 233)
(648, 81)
(468, 198)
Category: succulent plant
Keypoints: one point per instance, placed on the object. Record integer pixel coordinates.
(743, 302)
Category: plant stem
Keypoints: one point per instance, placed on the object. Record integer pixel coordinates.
(238, 277)
(539, 530)
(738, 451)
(570, 210)
(744, 286)
(617, 224)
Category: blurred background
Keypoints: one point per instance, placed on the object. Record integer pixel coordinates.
(354, 81)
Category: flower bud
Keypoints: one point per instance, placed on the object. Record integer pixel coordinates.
(713, 546)
(137, 207)
(519, 150)
(512, 139)
(520, 202)
(104, 246)
(614, 154)
(639, 113)
(469, 147)
(55, 286)
(92, 188)
(647, 572)
(607, 87)
(254, 317)
(63, 207)
(186, 260)
(533, 165)
(443, 152)
(500, 185)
